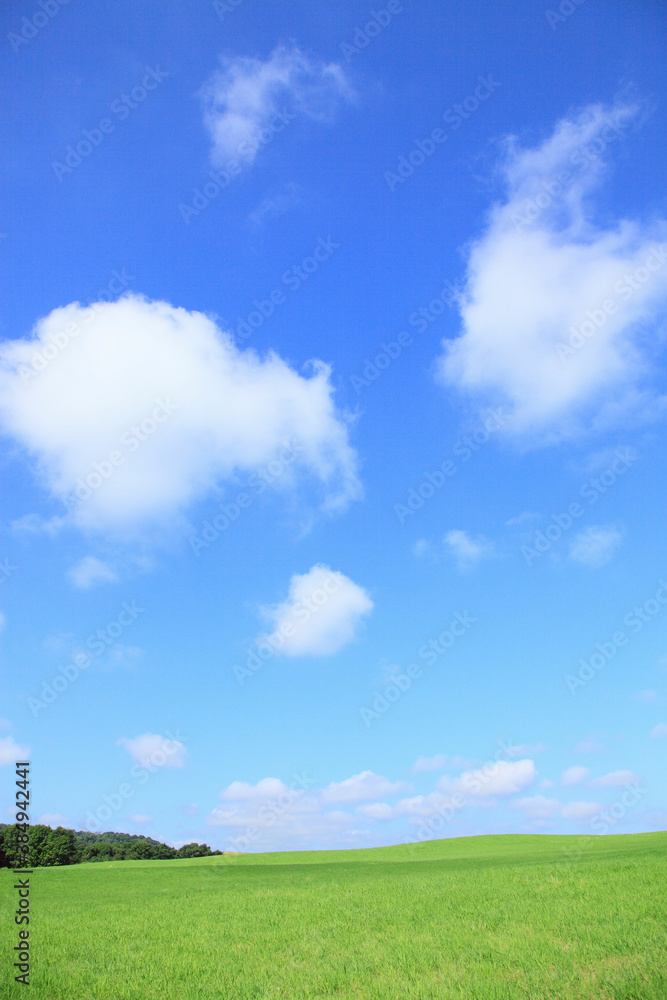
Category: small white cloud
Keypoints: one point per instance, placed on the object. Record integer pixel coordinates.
(659, 732)
(574, 775)
(547, 783)
(494, 778)
(361, 787)
(140, 818)
(527, 517)
(596, 545)
(437, 762)
(89, 571)
(154, 750)
(647, 697)
(321, 614)
(376, 810)
(590, 744)
(581, 811)
(53, 819)
(11, 752)
(420, 548)
(616, 779)
(538, 807)
(468, 551)
(242, 791)
(535, 330)
(3, 621)
(248, 101)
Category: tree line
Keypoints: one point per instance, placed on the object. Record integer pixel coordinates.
(72, 847)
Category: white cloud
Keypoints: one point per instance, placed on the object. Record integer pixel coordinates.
(533, 286)
(376, 810)
(361, 788)
(320, 615)
(590, 744)
(538, 807)
(174, 403)
(574, 775)
(420, 548)
(11, 752)
(468, 551)
(89, 571)
(647, 696)
(248, 101)
(494, 778)
(53, 819)
(596, 545)
(659, 732)
(156, 751)
(581, 811)
(140, 818)
(3, 621)
(437, 762)
(616, 779)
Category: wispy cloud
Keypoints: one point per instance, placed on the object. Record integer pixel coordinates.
(468, 551)
(89, 571)
(595, 546)
(248, 99)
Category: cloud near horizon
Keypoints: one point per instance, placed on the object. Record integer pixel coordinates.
(554, 306)
(147, 407)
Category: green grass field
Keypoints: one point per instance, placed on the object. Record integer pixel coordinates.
(483, 918)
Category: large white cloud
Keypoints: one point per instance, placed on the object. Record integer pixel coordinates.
(248, 100)
(134, 408)
(554, 306)
(320, 616)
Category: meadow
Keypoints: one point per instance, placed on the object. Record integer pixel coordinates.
(479, 918)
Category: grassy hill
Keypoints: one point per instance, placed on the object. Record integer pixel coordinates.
(479, 918)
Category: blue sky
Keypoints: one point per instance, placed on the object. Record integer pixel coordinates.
(333, 419)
